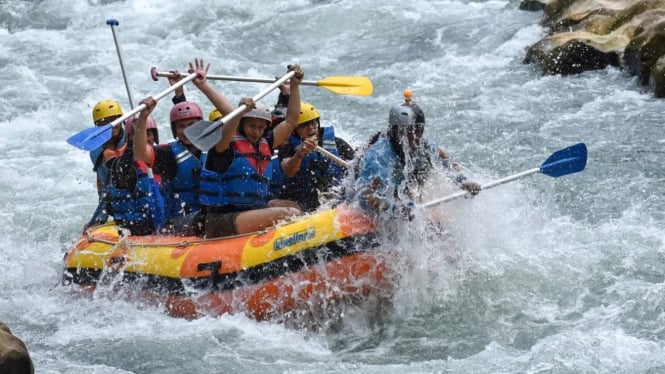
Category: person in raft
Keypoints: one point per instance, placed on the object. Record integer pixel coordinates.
(397, 162)
(309, 174)
(103, 113)
(237, 172)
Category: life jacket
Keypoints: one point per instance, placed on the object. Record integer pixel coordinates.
(139, 208)
(245, 184)
(182, 193)
(100, 158)
(277, 179)
(317, 173)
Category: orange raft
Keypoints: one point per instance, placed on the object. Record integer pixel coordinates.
(322, 257)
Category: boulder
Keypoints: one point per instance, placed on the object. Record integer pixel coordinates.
(644, 50)
(571, 53)
(14, 357)
(657, 78)
(533, 5)
(592, 34)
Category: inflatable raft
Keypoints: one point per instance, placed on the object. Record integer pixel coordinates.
(321, 258)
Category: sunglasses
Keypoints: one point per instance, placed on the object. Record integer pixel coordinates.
(305, 125)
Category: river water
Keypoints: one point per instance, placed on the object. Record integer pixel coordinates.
(548, 275)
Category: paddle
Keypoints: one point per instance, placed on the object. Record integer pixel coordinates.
(357, 86)
(331, 156)
(562, 162)
(205, 135)
(113, 22)
(92, 138)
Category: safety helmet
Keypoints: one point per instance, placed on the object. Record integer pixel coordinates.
(420, 115)
(401, 115)
(105, 109)
(150, 125)
(307, 113)
(260, 111)
(215, 114)
(182, 111)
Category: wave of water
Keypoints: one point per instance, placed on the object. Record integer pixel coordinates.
(540, 275)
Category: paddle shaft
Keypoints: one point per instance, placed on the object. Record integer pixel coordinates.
(232, 78)
(157, 97)
(331, 156)
(483, 187)
(212, 128)
(113, 23)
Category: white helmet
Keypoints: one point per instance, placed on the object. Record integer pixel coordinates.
(260, 111)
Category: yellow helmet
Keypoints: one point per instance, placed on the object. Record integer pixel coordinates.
(307, 113)
(214, 115)
(105, 109)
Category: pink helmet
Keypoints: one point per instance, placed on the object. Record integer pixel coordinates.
(151, 124)
(184, 110)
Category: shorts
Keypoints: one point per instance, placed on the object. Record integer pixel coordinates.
(221, 224)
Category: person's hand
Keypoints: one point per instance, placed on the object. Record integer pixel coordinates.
(150, 104)
(249, 104)
(298, 76)
(472, 187)
(173, 79)
(200, 69)
(307, 146)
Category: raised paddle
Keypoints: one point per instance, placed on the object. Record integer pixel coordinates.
(357, 86)
(94, 137)
(205, 134)
(562, 162)
(114, 22)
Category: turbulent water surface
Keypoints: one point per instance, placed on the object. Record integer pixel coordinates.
(540, 275)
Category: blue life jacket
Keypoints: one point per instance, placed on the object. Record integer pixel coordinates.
(245, 184)
(100, 216)
(317, 173)
(277, 179)
(181, 193)
(140, 210)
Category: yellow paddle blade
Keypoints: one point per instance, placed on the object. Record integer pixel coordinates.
(357, 86)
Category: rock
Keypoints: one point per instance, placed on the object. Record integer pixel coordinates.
(657, 78)
(644, 50)
(14, 356)
(592, 34)
(533, 5)
(559, 55)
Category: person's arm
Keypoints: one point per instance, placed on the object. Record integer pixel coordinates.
(179, 93)
(284, 129)
(291, 165)
(143, 151)
(459, 177)
(219, 101)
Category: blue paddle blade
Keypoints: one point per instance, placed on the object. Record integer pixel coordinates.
(565, 161)
(91, 138)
